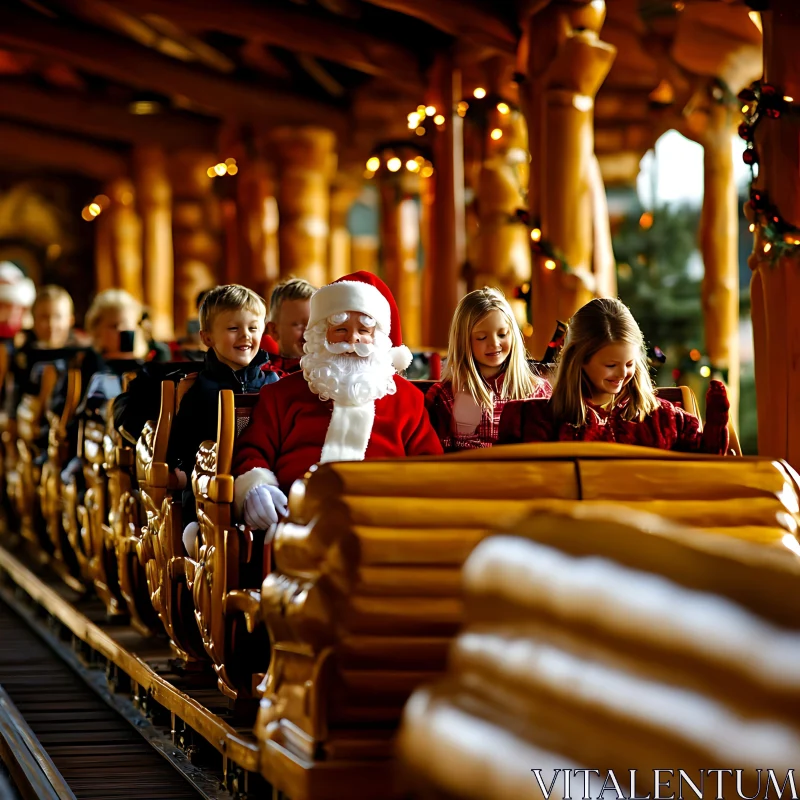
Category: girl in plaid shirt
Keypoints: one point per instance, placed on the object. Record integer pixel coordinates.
(486, 367)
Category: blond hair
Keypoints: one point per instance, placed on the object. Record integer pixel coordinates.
(53, 293)
(107, 300)
(232, 297)
(462, 369)
(288, 289)
(599, 323)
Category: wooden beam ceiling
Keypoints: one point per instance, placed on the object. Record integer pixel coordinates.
(102, 53)
(296, 29)
(87, 115)
(19, 143)
(464, 19)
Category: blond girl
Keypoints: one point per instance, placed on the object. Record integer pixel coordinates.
(603, 392)
(487, 366)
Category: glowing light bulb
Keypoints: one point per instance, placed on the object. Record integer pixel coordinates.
(220, 169)
(439, 119)
(211, 172)
(94, 209)
(230, 162)
(232, 169)
(788, 99)
(705, 371)
(536, 234)
(480, 93)
(394, 164)
(412, 166)
(430, 110)
(503, 108)
(373, 164)
(420, 131)
(767, 247)
(550, 264)
(496, 134)
(752, 227)
(426, 172)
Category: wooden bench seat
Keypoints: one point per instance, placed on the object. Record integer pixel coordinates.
(619, 641)
(365, 597)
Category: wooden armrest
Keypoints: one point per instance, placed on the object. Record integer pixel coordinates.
(247, 603)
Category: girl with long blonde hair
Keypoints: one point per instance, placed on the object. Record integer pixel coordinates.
(603, 391)
(487, 366)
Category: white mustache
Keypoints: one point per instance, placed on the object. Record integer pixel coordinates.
(339, 348)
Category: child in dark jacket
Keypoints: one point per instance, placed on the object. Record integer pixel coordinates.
(232, 320)
(289, 307)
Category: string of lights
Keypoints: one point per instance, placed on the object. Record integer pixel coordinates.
(776, 237)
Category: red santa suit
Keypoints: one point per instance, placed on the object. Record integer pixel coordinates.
(295, 425)
(290, 425)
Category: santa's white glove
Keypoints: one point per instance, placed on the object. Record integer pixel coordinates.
(263, 505)
(190, 539)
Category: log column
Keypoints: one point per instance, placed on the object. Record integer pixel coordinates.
(719, 243)
(119, 241)
(344, 192)
(503, 252)
(257, 209)
(195, 232)
(567, 65)
(400, 238)
(444, 261)
(775, 284)
(306, 162)
(154, 199)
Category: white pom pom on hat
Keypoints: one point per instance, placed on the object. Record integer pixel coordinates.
(367, 294)
(14, 286)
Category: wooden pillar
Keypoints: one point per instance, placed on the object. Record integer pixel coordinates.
(344, 192)
(400, 238)
(306, 161)
(257, 210)
(719, 244)
(195, 233)
(567, 65)
(444, 283)
(503, 257)
(775, 284)
(118, 257)
(154, 199)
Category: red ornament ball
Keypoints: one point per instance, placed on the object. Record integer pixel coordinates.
(750, 157)
(745, 132)
(767, 90)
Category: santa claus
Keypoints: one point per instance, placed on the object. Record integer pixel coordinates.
(17, 294)
(349, 403)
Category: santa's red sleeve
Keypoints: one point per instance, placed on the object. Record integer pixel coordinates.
(423, 439)
(256, 450)
(714, 438)
(526, 421)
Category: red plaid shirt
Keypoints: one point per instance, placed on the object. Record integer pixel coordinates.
(439, 402)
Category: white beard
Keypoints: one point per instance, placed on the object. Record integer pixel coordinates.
(349, 380)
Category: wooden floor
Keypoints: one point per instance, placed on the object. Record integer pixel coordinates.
(203, 723)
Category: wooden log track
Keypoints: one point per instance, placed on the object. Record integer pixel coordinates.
(295, 29)
(103, 53)
(77, 113)
(59, 715)
(33, 771)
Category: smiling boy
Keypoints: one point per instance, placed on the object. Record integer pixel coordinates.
(232, 320)
(289, 307)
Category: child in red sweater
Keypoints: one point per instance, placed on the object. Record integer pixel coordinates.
(289, 307)
(486, 367)
(603, 393)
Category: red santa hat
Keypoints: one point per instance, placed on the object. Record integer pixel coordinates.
(367, 294)
(15, 288)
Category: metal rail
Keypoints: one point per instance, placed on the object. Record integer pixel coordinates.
(34, 773)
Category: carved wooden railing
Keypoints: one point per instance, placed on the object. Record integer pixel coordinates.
(161, 544)
(26, 474)
(51, 489)
(365, 597)
(619, 641)
(230, 562)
